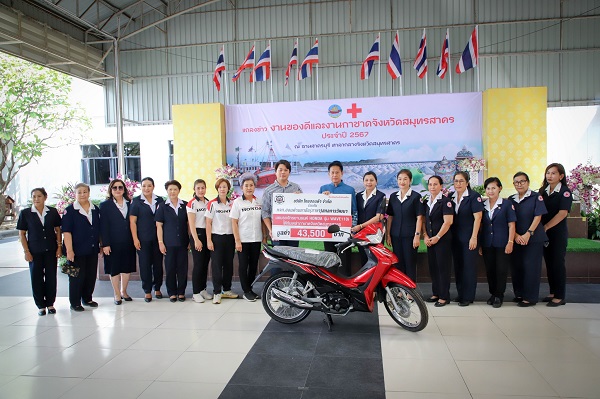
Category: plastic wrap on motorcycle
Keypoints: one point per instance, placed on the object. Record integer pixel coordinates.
(318, 258)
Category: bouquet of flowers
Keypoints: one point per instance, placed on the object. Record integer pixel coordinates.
(228, 172)
(130, 185)
(471, 164)
(583, 181)
(65, 197)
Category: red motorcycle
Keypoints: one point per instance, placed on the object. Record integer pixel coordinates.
(308, 281)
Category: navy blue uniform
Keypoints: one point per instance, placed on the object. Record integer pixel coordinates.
(116, 234)
(527, 259)
(555, 252)
(402, 231)
(438, 255)
(465, 259)
(176, 239)
(86, 245)
(494, 238)
(149, 256)
(375, 204)
(41, 241)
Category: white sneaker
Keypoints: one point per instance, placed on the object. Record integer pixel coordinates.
(229, 294)
(198, 298)
(217, 298)
(206, 295)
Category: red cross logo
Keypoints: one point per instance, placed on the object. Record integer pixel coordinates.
(354, 111)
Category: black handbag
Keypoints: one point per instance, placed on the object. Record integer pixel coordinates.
(67, 267)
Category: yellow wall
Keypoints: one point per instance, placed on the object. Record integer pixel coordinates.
(199, 145)
(514, 134)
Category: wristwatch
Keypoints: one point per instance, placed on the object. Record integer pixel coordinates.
(530, 232)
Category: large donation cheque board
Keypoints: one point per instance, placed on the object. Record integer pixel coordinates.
(307, 216)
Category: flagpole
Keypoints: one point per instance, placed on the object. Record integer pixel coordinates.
(379, 67)
(477, 35)
(271, 68)
(225, 75)
(401, 83)
(253, 76)
(317, 79)
(297, 69)
(426, 80)
(449, 71)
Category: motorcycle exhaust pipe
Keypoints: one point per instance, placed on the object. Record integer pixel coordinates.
(290, 299)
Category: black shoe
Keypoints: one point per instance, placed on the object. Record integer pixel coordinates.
(548, 299)
(518, 299)
(181, 299)
(439, 304)
(127, 298)
(490, 300)
(159, 295)
(118, 302)
(91, 304)
(77, 308)
(42, 312)
(524, 304)
(173, 299)
(553, 304)
(457, 299)
(146, 299)
(431, 299)
(464, 303)
(51, 311)
(250, 296)
(497, 302)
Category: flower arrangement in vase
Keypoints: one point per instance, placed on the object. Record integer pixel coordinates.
(584, 182)
(473, 166)
(65, 197)
(228, 172)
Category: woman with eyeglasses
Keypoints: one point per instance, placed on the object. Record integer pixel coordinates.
(558, 201)
(468, 208)
(526, 265)
(497, 239)
(39, 233)
(173, 240)
(439, 215)
(117, 242)
(143, 230)
(81, 231)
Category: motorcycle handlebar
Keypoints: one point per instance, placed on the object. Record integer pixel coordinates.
(342, 246)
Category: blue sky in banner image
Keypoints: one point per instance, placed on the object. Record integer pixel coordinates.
(382, 133)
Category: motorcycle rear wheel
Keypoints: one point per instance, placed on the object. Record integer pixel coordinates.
(278, 310)
(413, 315)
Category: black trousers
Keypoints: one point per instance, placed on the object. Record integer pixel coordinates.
(201, 260)
(407, 255)
(82, 287)
(176, 267)
(439, 257)
(151, 266)
(43, 278)
(248, 264)
(465, 270)
(526, 270)
(222, 262)
(497, 264)
(345, 257)
(554, 255)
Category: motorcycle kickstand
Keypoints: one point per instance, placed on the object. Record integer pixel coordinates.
(329, 321)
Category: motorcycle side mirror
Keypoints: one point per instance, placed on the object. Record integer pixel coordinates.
(334, 228)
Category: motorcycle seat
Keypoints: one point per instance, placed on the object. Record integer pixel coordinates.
(306, 255)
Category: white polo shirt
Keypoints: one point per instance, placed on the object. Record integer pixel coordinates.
(219, 213)
(248, 214)
(199, 208)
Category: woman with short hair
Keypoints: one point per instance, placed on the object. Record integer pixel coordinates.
(39, 233)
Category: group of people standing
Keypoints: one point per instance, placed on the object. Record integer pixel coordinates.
(512, 234)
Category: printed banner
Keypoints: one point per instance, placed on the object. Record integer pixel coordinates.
(427, 134)
(307, 216)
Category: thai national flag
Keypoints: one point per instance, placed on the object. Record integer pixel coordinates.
(248, 63)
(219, 69)
(367, 65)
(262, 71)
(444, 57)
(394, 65)
(470, 56)
(421, 61)
(312, 57)
(293, 61)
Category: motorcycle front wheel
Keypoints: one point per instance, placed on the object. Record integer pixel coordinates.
(406, 307)
(278, 310)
